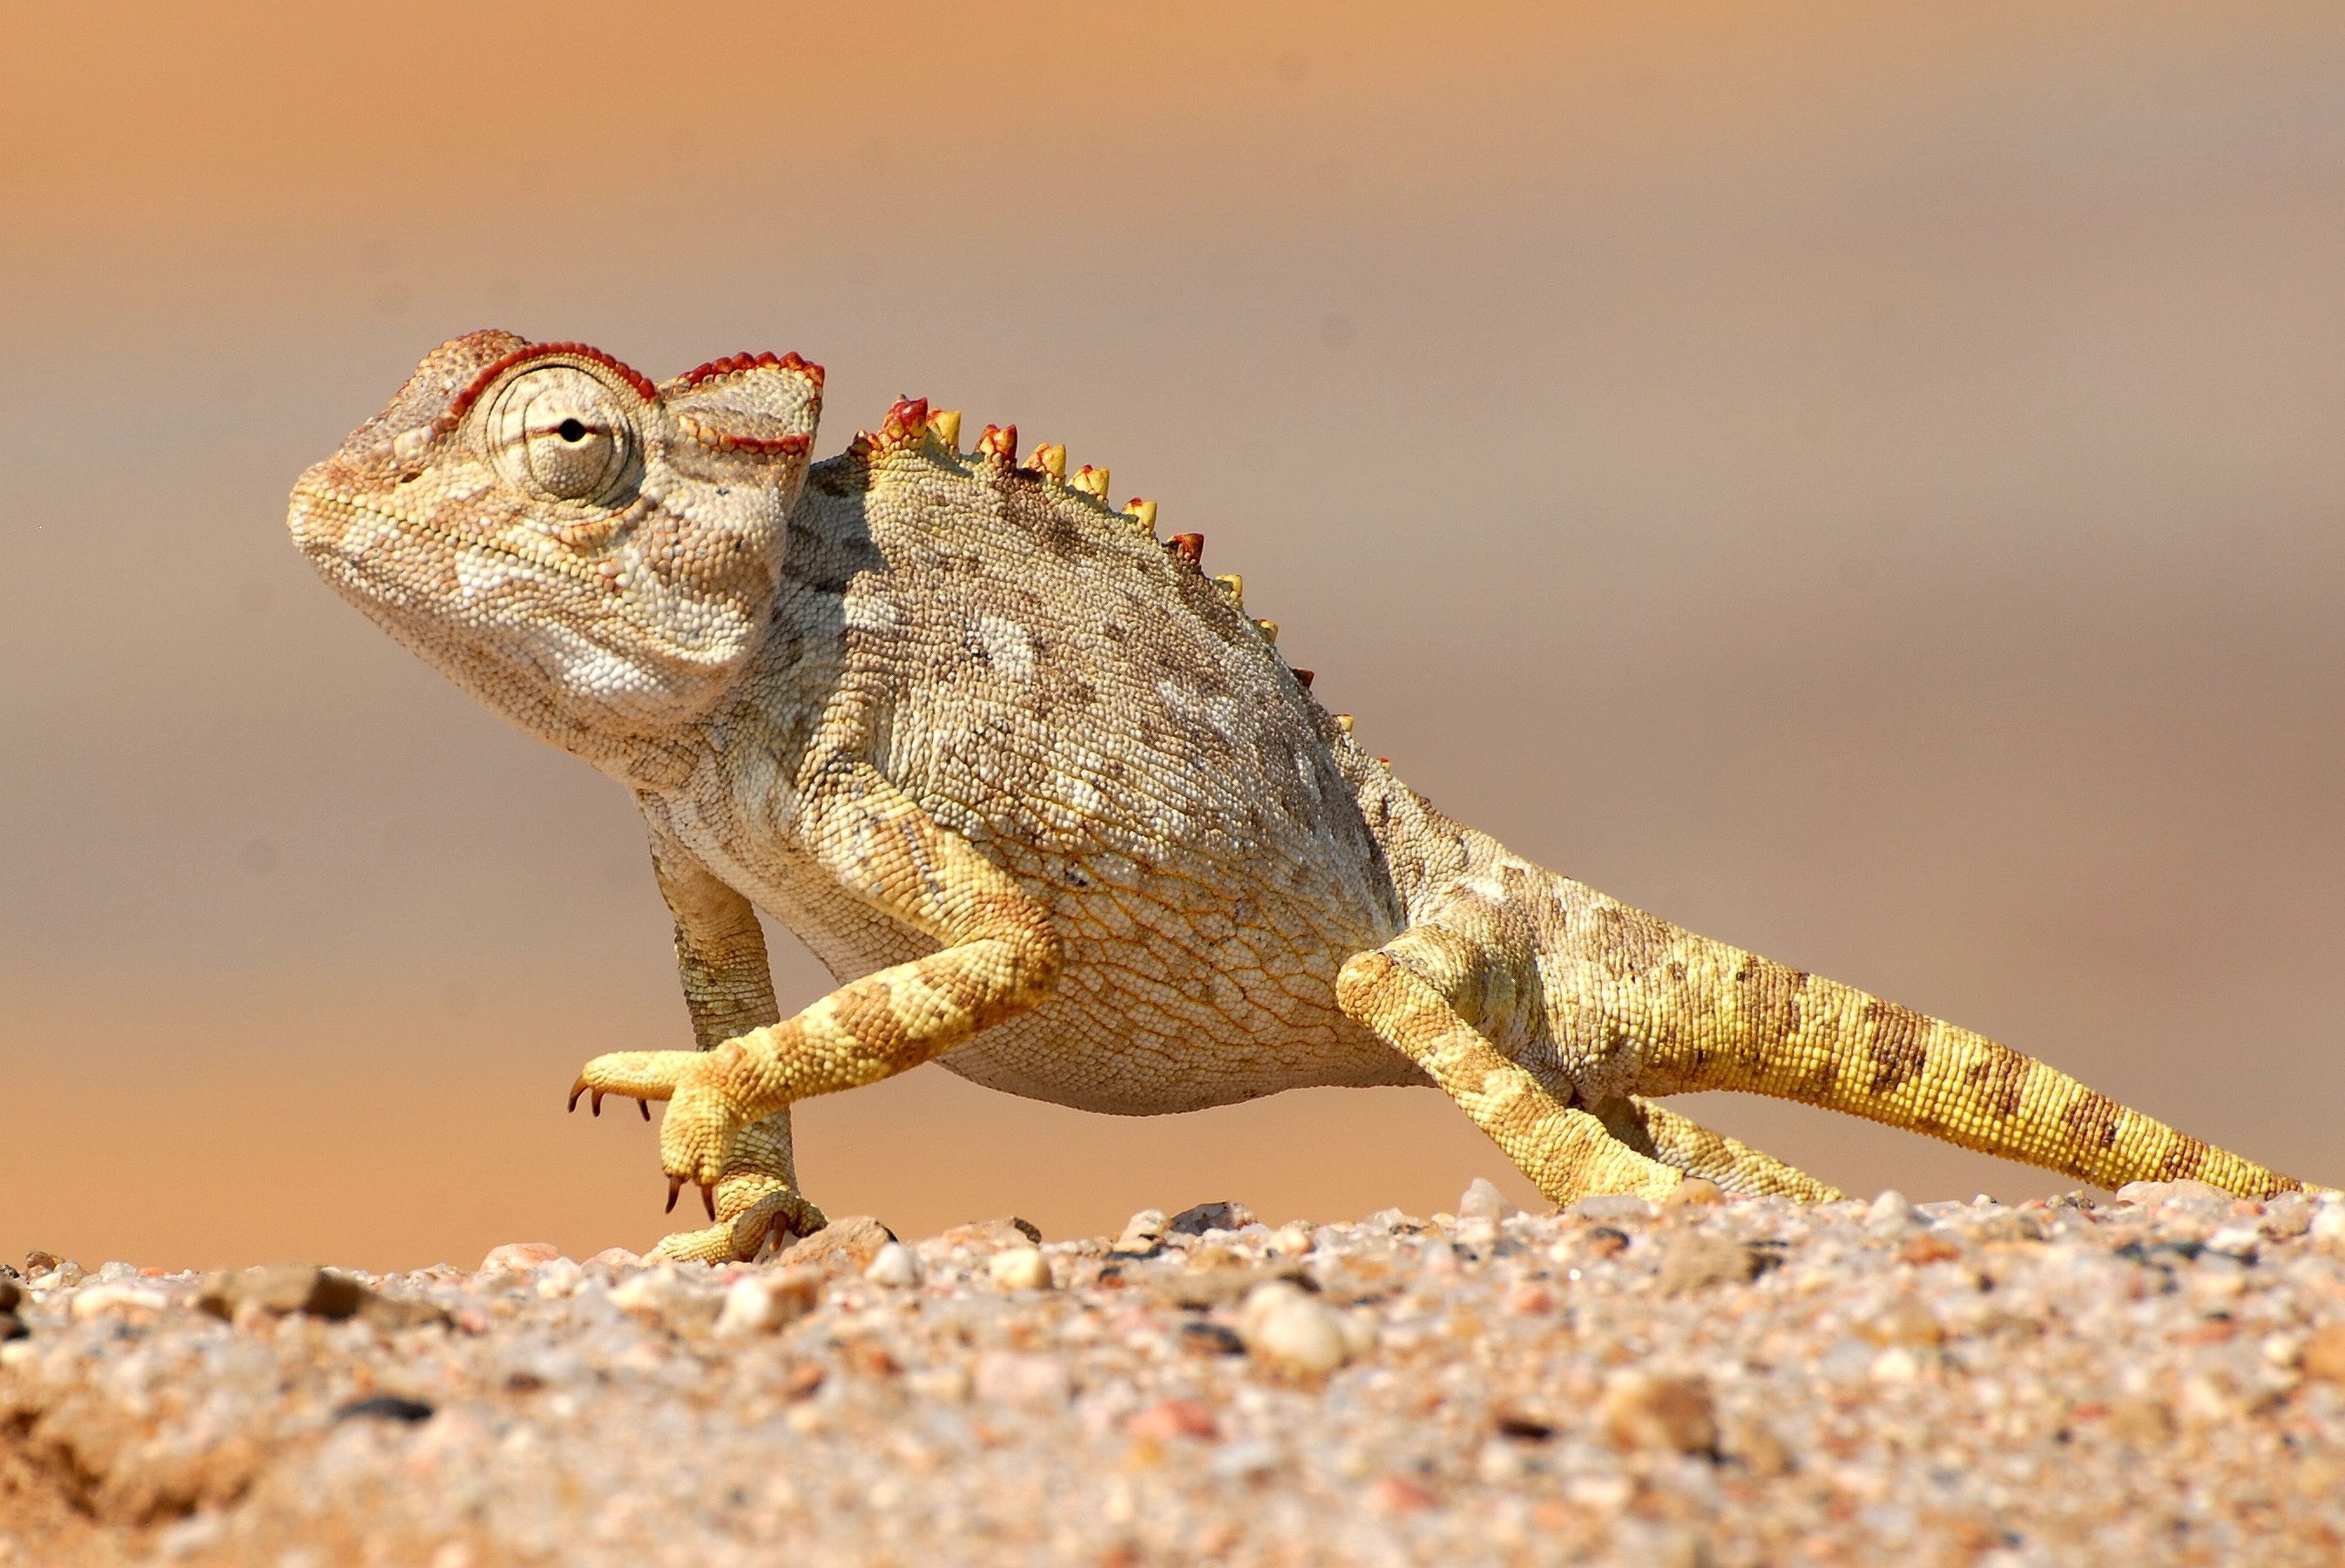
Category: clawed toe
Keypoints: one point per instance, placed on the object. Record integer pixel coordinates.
(595, 1104)
(707, 1195)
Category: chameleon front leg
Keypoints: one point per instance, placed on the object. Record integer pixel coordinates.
(1410, 992)
(1000, 957)
(728, 989)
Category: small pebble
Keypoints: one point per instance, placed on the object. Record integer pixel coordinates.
(519, 1256)
(1892, 1214)
(1695, 1192)
(1143, 1232)
(2197, 1193)
(1398, 1494)
(1175, 1419)
(2322, 1355)
(895, 1267)
(1205, 1216)
(1291, 1240)
(1692, 1260)
(848, 1243)
(1929, 1247)
(768, 1301)
(281, 1289)
(2239, 1240)
(97, 1301)
(1019, 1269)
(1292, 1331)
(1640, 1411)
(1904, 1321)
(1483, 1200)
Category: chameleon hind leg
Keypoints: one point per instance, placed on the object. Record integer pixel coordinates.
(728, 989)
(1409, 991)
(1676, 1139)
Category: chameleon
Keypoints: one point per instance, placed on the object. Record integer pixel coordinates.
(1053, 807)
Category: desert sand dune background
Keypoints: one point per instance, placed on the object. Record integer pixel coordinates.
(1866, 484)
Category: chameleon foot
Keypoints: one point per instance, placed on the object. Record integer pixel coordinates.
(780, 1218)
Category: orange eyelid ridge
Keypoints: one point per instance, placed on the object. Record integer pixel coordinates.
(481, 383)
(733, 363)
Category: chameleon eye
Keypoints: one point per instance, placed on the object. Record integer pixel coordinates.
(573, 460)
(559, 432)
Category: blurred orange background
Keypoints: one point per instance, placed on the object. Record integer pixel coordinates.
(1863, 482)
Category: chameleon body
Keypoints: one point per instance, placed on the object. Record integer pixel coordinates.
(1051, 807)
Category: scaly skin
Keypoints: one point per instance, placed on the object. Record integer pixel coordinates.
(1051, 808)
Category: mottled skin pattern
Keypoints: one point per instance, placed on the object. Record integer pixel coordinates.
(1051, 808)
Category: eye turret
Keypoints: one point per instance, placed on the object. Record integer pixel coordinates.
(559, 432)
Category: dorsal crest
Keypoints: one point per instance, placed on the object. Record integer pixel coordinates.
(913, 431)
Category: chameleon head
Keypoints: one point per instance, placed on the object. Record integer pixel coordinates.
(592, 554)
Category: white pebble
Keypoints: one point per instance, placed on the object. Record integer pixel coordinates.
(764, 1303)
(1500, 1464)
(1892, 1214)
(2205, 1400)
(2242, 1240)
(519, 1256)
(1282, 1325)
(1143, 1231)
(645, 1292)
(558, 1279)
(1483, 1200)
(1020, 1269)
(91, 1300)
(895, 1267)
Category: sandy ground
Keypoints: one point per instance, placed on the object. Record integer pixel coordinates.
(2155, 1378)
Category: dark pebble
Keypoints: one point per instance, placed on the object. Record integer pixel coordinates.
(386, 1407)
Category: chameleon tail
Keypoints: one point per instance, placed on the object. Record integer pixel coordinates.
(1725, 1019)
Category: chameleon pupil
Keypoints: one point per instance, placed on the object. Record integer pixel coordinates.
(571, 430)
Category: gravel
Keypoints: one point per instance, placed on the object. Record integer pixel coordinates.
(2156, 1379)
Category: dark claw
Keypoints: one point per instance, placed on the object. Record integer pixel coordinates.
(645, 1107)
(575, 1090)
(598, 1102)
(708, 1199)
(675, 1185)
